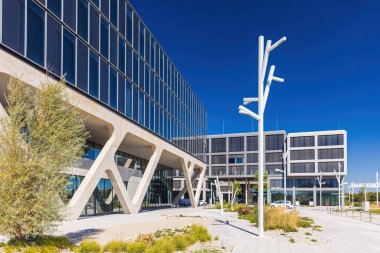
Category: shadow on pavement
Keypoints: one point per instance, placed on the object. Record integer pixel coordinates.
(242, 229)
(79, 236)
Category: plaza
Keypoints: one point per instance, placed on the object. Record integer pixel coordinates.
(339, 234)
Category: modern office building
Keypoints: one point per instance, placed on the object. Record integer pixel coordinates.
(145, 120)
(303, 156)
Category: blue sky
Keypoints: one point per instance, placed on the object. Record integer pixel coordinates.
(330, 63)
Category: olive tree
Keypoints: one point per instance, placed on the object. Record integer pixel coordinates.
(41, 138)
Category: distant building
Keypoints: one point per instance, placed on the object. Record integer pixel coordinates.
(304, 156)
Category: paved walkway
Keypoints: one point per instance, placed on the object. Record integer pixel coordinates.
(339, 234)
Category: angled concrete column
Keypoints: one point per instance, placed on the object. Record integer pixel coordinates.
(104, 162)
(184, 189)
(187, 171)
(145, 180)
(199, 186)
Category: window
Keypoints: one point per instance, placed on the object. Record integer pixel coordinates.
(83, 19)
(36, 30)
(121, 55)
(252, 143)
(273, 157)
(141, 74)
(55, 7)
(82, 56)
(104, 30)
(218, 159)
(304, 183)
(302, 141)
(302, 168)
(136, 104)
(135, 32)
(331, 153)
(122, 17)
(330, 166)
(96, 2)
(147, 108)
(94, 28)
(330, 140)
(13, 36)
(218, 171)
(128, 99)
(129, 62)
(233, 159)
(252, 158)
(69, 56)
(113, 12)
(53, 40)
(142, 40)
(104, 81)
(69, 13)
(272, 169)
(141, 108)
(236, 170)
(236, 144)
(251, 169)
(121, 93)
(274, 142)
(113, 46)
(276, 183)
(129, 24)
(105, 7)
(113, 88)
(94, 75)
(307, 154)
(151, 125)
(218, 145)
(135, 68)
(147, 79)
(147, 46)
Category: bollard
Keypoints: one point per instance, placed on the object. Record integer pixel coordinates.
(360, 215)
(370, 220)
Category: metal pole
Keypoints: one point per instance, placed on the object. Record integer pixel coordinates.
(261, 140)
(285, 189)
(377, 189)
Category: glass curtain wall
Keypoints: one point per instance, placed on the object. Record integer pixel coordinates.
(108, 52)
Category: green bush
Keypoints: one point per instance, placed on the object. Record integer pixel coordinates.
(136, 247)
(180, 242)
(164, 245)
(305, 222)
(89, 247)
(115, 247)
(60, 242)
(200, 233)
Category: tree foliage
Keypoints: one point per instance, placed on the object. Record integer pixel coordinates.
(256, 177)
(43, 137)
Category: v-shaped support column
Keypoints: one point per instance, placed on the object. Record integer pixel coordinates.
(184, 189)
(199, 186)
(104, 163)
(188, 170)
(145, 180)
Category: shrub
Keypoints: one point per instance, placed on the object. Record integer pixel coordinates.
(9, 250)
(60, 242)
(89, 247)
(291, 240)
(115, 247)
(145, 238)
(276, 218)
(314, 240)
(307, 233)
(180, 242)
(305, 222)
(163, 245)
(136, 247)
(32, 249)
(200, 233)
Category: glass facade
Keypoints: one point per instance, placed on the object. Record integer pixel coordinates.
(108, 53)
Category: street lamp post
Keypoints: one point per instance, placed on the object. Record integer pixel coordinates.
(320, 188)
(377, 189)
(262, 100)
(283, 171)
(337, 175)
